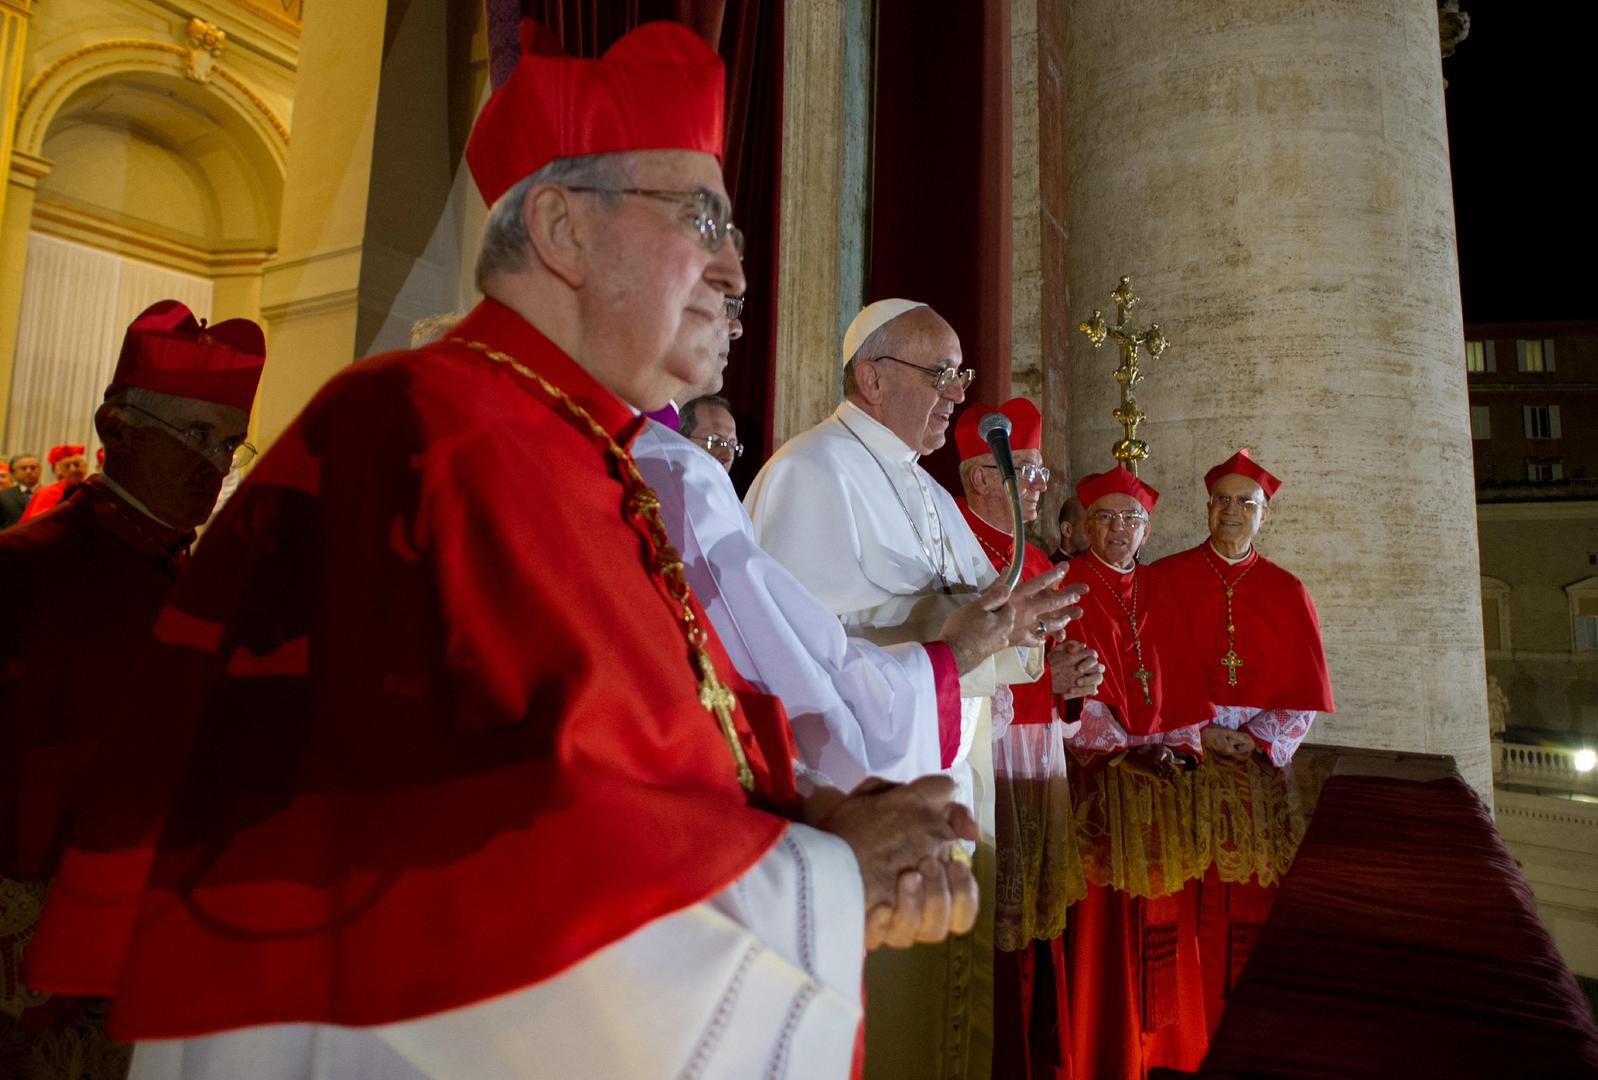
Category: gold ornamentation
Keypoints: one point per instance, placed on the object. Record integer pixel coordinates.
(206, 42)
(1130, 450)
(1231, 661)
(713, 694)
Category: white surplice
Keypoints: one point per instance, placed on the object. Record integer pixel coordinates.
(762, 979)
(857, 709)
(849, 511)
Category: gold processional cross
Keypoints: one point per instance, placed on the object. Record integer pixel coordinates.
(1130, 450)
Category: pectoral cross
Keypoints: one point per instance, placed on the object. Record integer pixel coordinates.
(1231, 662)
(719, 701)
(1143, 675)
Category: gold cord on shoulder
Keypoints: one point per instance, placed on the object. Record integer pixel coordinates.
(643, 504)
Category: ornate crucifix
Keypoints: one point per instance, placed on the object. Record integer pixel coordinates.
(1130, 450)
(1143, 675)
(720, 702)
(1231, 662)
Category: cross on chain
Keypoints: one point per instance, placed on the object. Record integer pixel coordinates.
(1231, 662)
(719, 702)
(1143, 675)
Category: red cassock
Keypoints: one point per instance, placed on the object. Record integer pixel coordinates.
(46, 497)
(1034, 701)
(423, 728)
(1277, 634)
(83, 587)
(1106, 627)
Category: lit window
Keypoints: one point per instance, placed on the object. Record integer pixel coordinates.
(1583, 615)
(1475, 357)
(1541, 421)
(1481, 422)
(1534, 354)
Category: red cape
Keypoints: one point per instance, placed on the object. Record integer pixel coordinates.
(1277, 636)
(45, 497)
(83, 588)
(423, 729)
(1034, 701)
(1104, 627)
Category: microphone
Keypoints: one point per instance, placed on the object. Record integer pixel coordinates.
(995, 430)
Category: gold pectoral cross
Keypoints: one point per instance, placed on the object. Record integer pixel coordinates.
(719, 701)
(1231, 662)
(1143, 675)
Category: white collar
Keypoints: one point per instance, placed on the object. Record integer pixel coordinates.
(1117, 569)
(1230, 562)
(878, 437)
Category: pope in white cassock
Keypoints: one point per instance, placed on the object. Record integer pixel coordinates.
(848, 510)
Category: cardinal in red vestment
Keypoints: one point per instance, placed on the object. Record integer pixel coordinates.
(1239, 640)
(85, 584)
(1133, 977)
(1038, 872)
(70, 467)
(444, 726)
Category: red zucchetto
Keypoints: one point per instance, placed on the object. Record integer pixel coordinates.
(1093, 487)
(1026, 427)
(660, 87)
(166, 350)
(58, 454)
(1241, 464)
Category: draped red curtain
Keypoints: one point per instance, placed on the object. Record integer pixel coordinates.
(749, 38)
(941, 179)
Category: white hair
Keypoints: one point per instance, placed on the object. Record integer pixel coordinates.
(506, 247)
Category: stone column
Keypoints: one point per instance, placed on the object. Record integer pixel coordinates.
(13, 50)
(310, 293)
(22, 181)
(826, 94)
(1275, 177)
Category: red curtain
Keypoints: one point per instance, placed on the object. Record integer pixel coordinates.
(941, 179)
(749, 38)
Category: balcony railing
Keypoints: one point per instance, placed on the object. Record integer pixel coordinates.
(1551, 768)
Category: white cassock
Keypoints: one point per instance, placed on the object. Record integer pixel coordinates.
(760, 980)
(849, 511)
(857, 709)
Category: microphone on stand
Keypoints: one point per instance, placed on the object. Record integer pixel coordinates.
(995, 430)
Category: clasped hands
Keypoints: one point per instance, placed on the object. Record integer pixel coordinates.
(903, 836)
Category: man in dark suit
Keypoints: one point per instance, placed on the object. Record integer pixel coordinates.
(13, 500)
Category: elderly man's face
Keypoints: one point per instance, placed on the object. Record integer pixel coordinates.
(72, 469)
(26, 471)
(716, 431)
(654, 305)
(174, 454)
(1236, 511)
(1116, 527)
(912, 407)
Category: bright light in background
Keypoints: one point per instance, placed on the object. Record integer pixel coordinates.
(1586, 760)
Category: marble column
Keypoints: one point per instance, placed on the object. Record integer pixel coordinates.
(1275, 177)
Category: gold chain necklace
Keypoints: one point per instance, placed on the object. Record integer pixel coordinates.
(1231, 661)
(643, 503)
(1142, 674)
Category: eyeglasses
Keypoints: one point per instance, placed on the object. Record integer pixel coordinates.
(235, 452)
(1130, 518)
(1224, 502)
(1031, 474)
(719, 442)
(942, 377)
(735, 308)
(711, 217)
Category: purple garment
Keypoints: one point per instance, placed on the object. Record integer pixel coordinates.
(666, 415)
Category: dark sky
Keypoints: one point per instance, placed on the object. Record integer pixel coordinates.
(1521, 130)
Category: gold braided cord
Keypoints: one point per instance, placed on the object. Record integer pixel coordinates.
(643, 504)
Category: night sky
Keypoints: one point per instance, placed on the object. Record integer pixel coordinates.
(1521, 131)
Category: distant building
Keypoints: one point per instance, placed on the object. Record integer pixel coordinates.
(1534, 420)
